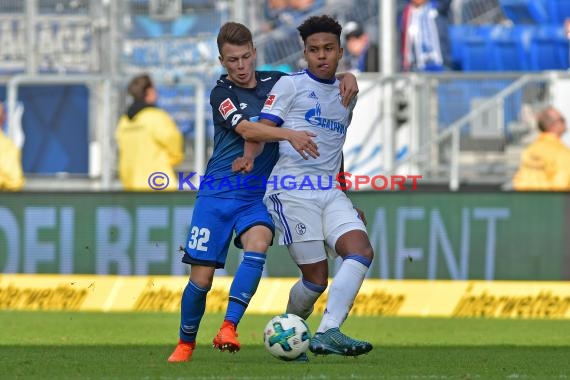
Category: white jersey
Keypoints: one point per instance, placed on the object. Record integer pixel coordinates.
(303, 102)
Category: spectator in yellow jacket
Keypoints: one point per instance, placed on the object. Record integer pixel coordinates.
(148, 140)
(11, 174)
(545, 164)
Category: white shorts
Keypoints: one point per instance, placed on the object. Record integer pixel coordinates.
(305, 215)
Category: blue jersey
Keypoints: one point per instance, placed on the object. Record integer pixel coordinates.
(230, 105)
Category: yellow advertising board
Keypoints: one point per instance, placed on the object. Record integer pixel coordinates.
(414, 298)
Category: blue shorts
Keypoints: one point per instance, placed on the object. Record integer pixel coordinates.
(214, 221)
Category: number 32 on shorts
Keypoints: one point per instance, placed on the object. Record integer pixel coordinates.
(198, 238)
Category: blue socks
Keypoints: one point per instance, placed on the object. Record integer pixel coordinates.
(244, 285)
(192, 309)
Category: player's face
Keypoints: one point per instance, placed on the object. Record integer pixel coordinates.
(322, 53)
(239, 62)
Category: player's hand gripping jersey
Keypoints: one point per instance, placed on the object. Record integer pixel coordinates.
(304, 102)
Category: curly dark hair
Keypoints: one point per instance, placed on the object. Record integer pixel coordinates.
(319, 24)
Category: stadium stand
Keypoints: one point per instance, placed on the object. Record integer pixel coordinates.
(510, 47)
(525, 11)
(493, 43)
(549, 48)
(513, 48)
(558, 10)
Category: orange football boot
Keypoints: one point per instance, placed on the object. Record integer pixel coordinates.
(226, 339)
(182, 352)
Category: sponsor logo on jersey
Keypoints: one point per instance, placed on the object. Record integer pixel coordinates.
(236, 119)
(313, 117)
(227, 108)
(269, 102)
(312, 95)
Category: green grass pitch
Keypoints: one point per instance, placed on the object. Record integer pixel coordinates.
(57, 345)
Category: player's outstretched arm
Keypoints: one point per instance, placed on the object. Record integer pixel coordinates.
(266, 131)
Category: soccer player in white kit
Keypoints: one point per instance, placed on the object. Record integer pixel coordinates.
(303, 197)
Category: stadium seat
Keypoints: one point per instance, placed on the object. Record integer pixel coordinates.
(549, 48)
(525, 11)
(457, 33)
(559, 10)
(457, 96)
(510, 47)
(477, 48)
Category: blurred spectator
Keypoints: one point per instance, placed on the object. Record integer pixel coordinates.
(273, 11)
(443, 8)
(545, 164)
(280, 13)
(424, 35)
(11, 174)
(304, 7)
(282, 18)
(363, 53)
(148, 140)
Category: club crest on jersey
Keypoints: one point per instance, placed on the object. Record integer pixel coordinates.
(300, 228)
(227, 108)
(269, 102)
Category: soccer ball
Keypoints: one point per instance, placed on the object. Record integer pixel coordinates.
(286, 336)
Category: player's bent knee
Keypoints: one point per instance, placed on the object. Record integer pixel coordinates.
(202, 283)
(367, 253)
(202, 276)
(258, 246)
(316, 273)
(317, 279)
(257, 239)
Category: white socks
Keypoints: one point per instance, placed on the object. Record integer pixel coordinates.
(302, 298)
(343, 291)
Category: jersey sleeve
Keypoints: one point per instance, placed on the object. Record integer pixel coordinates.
(225, 108)
(279, 101)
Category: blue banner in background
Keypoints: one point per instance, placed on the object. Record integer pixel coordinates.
(55, 123)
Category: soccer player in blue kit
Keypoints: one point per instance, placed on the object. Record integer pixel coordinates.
(222, 204)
